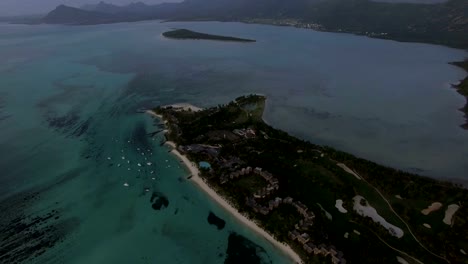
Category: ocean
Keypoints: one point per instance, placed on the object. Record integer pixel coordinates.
(80, 177)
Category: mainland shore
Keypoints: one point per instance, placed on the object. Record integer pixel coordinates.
(223, 203)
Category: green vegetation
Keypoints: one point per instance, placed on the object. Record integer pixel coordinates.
(443, 23)
(188, 34)
(234, 136)
(462, 88)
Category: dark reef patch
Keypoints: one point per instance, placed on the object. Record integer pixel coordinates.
(216, 221)
(69, 124)
(25, 236)
(140, 137)
(242, 250)
(159, 201)
(82, 128)
(3, 116)
(64, 122)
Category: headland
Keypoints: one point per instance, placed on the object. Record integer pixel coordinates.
(287, 190)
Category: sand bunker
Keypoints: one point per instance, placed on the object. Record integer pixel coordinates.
(370, 211)
(431, 208)
(339, 206)
(451, 210)
(401, 260)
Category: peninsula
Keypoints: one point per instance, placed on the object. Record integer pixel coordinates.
(317, 204)
(188, 34)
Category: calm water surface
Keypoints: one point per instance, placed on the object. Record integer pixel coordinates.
(68, 101)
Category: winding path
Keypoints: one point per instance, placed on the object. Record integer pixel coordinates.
(404, 222)
(383, 241)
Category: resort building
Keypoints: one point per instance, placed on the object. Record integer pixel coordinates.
(304, 238)
(293, 235)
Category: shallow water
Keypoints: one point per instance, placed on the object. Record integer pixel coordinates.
(68, 101)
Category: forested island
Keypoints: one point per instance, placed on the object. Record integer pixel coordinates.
(329, 206)
(462, 88)
(188, 34)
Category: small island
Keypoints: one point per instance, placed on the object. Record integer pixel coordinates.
(188, 34)
(317, 204)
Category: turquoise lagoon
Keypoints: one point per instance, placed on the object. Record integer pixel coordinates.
(78, 167)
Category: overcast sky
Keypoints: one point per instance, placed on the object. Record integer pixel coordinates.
(20, 7)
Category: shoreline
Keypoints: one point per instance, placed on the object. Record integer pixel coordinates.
(325, 30)
(286, 249)
(228, 207)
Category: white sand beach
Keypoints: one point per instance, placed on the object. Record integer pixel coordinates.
(244, 220)
(185, 107)
(172, 144)
(153, 113)
(241, 218)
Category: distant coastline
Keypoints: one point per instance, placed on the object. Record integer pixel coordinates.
(188, 34)
(462, 89)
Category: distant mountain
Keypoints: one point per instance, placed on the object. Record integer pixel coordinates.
(102, 7)
(441, 23)
(70, 15)
(76, 16)
(138, 7)
(133, 8)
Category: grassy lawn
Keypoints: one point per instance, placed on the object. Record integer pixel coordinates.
(250, 183)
